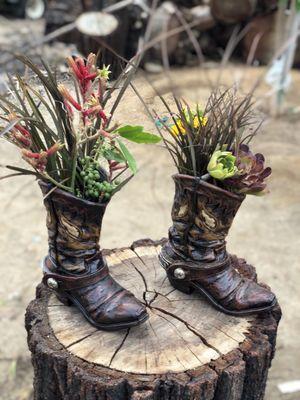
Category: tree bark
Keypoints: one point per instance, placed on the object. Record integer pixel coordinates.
(187, 349)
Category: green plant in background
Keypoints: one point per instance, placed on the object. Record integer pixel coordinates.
(211, 143)
(66, 135)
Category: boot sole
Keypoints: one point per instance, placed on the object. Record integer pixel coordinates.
(68, 300)
(190, 288)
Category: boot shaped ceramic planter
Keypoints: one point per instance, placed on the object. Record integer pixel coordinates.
(75, 269)
(195, 256)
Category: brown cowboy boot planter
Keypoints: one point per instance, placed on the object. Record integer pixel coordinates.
(195, 257)
(78, 154)
(75, 269)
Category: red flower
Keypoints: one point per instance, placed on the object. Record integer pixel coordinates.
(23, 130)
(53, 149)
(92, 111)
(68, 97)
(39, 160)
(104, 117)
(19, 133)
(21, 139)
(85, 72)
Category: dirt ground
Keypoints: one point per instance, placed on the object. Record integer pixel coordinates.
(266, 231)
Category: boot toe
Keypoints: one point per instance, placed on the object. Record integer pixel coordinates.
(253, 296)
(261, 297)
(125, 308)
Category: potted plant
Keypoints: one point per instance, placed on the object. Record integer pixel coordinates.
(216, 170)
(81, 161)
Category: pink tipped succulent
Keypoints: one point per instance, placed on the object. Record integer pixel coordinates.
(251, 175)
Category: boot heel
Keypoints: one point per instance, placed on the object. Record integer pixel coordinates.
(184, 287)
(64, 299)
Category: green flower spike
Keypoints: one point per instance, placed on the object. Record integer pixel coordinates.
(104, 72)
(222, 165)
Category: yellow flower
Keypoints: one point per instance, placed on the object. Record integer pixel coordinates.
(199, 120)
(178, 128)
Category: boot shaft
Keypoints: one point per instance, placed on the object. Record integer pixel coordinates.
(202, 215)
(74, 227)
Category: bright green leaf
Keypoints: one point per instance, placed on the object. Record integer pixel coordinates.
(137, 134)
(110, 154)
(128, 156)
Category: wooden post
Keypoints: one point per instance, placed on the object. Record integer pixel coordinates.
(187, 349)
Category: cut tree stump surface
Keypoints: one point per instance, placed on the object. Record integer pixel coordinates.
(185, 340)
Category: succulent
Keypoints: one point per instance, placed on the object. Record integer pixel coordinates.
(222, 165)
(251, 173)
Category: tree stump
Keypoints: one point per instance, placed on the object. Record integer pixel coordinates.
(186, 350)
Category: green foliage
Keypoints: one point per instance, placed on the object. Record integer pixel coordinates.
(137, 134)
(128, 157)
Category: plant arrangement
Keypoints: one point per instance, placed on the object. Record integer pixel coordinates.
(68, 137)
(214, 144)
(216, 170)
(78, 153)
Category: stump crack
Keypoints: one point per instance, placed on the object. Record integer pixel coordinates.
(119, 347)
(141, 274)
(190, 328)
(185, 341)
(81, 339)
(159, 344)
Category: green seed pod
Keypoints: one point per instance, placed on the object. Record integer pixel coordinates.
(107, 196)
(117, 182)
(82, 173)
(91, 176)
(86, 178)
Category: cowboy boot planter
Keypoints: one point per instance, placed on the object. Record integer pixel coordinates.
(75, 269)
(216, 172)
(81, 162)
(195, 257)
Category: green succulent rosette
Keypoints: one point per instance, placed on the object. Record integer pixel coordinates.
(222, 165)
